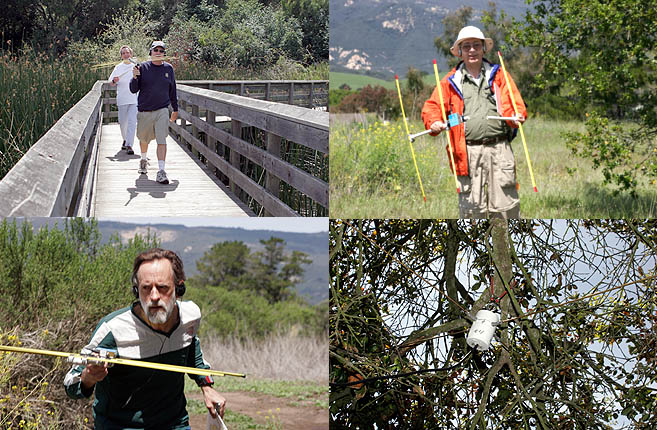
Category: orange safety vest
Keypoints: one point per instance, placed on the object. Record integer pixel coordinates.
(453, 103)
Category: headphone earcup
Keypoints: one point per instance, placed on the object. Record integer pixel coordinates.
(180, 290)
(135, 291)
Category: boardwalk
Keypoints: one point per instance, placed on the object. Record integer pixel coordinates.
(192, 189)
(273, 155)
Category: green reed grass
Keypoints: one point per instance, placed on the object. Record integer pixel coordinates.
(372, 176)
(283, 70)
(35, 91)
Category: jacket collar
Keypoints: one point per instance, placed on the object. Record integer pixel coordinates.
(456, 75)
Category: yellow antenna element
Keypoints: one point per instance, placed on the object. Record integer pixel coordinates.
(410, 141)
(522, 133)
(449, 139)
(134, 61)
(83, 359)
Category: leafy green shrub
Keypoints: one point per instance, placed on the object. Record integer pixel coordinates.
(244, 314)
(127, 28)
(58, 274)
(245, 34)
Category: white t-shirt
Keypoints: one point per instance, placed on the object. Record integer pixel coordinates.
(123, 94)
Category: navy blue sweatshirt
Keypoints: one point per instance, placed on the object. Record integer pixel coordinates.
(156, 86)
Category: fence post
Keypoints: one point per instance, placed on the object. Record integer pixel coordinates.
(236, 130)
(106, 107)
(311, 105)
(195, 114)
(273, 183)
(291, 95)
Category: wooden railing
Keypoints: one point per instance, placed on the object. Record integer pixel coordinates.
(56, 176)
(50, 179)
(308, 94)
(249, 142)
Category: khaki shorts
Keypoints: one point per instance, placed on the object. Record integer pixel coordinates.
(490, 190)
(153, 125)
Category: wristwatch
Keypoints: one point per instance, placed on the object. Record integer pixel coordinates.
(205, 382)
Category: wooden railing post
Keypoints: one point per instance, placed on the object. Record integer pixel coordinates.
(267, 91)
(273, 183)
(236, 130)
(195, 133)
(182, 105)
(311, 105)
(291, 95)
(210, 141)
(106, 107)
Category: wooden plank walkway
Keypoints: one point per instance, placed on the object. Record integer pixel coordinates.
(192, 190)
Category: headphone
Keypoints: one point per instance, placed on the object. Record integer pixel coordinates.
(180, 288)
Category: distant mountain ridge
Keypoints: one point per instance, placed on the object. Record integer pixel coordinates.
(192, 242)
(385, 37)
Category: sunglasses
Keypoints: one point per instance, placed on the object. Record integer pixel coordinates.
(158, 50)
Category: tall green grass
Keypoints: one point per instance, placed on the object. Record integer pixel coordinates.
(372, 176)
(35, 91)
(356, 80)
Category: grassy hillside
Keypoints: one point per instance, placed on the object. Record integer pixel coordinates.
(372, 175)
(356, 81)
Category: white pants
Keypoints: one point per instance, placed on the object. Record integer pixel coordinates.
(128, 122)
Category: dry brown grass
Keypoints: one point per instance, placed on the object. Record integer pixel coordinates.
(286, 357)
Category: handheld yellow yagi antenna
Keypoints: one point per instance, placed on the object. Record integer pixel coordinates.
(522, 133)
(449, 139)
(410, 139)
(134, 61)
(111, 359)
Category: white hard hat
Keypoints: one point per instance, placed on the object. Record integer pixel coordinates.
(470, 32)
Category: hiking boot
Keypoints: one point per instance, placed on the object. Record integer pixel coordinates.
(123, 146)
(143, 164)
(162, 177)
(129, 150)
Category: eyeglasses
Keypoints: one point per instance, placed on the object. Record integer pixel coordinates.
(468, 46)
(158, 50)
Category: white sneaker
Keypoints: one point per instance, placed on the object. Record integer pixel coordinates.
(143, 164)
(162, 177)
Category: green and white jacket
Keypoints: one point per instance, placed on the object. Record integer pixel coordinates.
(139, 398)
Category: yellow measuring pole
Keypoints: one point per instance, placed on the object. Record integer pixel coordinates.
(522, 133)
(410, 142)
(449, 139)
(124, 361)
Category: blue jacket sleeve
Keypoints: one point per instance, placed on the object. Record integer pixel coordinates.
(173, 96)
(135, 84)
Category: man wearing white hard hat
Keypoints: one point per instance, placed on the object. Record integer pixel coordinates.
(483, 158)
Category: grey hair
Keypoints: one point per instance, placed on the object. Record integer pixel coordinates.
(126, 47)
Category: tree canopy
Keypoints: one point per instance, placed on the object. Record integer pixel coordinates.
(575, 348)
(270, 272)
(602, 55)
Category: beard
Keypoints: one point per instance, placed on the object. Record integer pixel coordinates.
(159, 316)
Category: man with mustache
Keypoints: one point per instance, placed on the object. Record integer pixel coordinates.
(485, 166)
(158, 328)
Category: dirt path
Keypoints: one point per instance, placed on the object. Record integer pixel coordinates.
(291, 417)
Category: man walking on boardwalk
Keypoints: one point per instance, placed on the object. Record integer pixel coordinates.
(156, 84)
(126, 101)
(485, 166)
